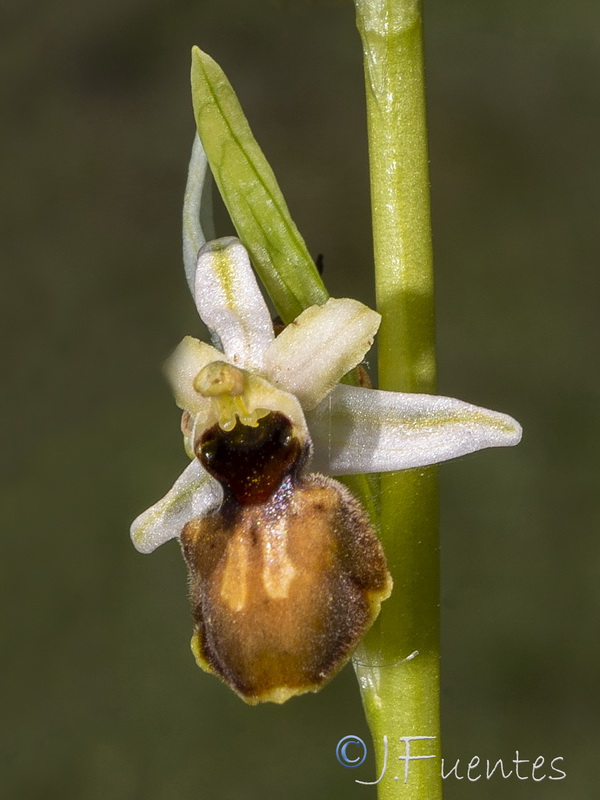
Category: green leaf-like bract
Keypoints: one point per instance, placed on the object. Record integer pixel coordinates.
(251, 194)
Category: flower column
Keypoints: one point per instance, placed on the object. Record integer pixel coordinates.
(401, 697)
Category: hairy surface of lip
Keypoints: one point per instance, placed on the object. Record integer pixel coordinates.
(287, 574)
(283, 591)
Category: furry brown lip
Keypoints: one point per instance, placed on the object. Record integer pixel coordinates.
(287, 574)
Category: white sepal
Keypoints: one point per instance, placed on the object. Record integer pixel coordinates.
(364, 430)
(230, 303)
(193, 495)
(319, 347)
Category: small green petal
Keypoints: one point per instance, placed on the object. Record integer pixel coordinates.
(251, 194)
(190, 356)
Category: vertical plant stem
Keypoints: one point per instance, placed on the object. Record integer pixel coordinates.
(401, 698)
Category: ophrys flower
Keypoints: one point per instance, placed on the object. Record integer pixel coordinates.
(286, 572)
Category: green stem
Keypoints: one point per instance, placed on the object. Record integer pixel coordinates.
(401, 698)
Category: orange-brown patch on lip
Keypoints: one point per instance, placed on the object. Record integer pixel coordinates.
(314, 576)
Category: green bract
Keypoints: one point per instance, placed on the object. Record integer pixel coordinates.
(251, 194)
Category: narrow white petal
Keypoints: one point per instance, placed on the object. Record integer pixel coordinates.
(230, 303)
(198, 225)
(193, 495)
(189, 357)
(314, 352)
(364, 430)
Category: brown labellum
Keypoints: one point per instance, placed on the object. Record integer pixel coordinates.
(287, 575)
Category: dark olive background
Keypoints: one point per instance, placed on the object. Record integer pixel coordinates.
(103, 700)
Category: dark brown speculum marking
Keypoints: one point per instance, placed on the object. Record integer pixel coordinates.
(250, 463)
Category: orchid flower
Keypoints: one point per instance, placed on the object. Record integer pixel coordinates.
(265, 419)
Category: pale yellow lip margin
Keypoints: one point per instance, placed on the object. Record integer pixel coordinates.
(283, 693)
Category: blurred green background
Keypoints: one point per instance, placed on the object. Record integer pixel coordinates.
(102, 698)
